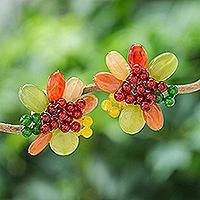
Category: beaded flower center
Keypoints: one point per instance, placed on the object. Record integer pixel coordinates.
(63, 115)
(140, 88)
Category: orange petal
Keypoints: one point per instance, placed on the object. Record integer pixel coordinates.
(107, 82)
(39, 144)
(91, 103)
(137, 55)
(154, 117)
(55, 86)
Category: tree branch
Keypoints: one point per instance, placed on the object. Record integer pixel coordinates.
(182, 89)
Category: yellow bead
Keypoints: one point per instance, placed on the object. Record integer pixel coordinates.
(79, 120)
(78, 133)
(87, 121)
(86, 132)
(106, 105)
(112, 98)
(121, 105)
(114, 112)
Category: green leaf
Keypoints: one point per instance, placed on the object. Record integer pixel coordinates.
(163, 66)
(33, 98)
(131, 119)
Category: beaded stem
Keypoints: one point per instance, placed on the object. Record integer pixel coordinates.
(182, 89)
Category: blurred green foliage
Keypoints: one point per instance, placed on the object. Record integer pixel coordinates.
(38, 37)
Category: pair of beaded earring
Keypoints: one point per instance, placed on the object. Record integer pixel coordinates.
(59, 114)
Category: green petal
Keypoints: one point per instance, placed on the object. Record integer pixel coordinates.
(163, 66)
(64, 143)
(131, 119)
(33, 98)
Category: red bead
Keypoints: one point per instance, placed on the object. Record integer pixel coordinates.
(45, 117)
(62, 115)
(64, 127)
(69, 119)
(45, 128)
(126, 87)
(139, 99)
(145, 106)
(151, 83)
(52, 109)
(130, 98)
(77, 114)
(151, 96)
(75, 127)
(162, 86)
(119, 96)
(80, 103)
(140, 89)
(54, 124)
(62, 102)
(70, 107)
(133, 79)
(144, 76)
(136, 69)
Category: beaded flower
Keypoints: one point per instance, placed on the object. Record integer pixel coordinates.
(136, 88)
(59, 114)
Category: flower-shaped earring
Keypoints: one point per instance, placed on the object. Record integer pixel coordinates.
(59, 114)
(136, 88)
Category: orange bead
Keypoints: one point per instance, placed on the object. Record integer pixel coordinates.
(55, 86)
(91, 103)
(39, 144)
(154, 117)
(137, 55)
(107, 82)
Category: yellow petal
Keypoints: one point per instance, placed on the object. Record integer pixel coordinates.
(131, 119)
(64, 143)
(163, 66)
(117, 65)
(74, 89)
(33, 98)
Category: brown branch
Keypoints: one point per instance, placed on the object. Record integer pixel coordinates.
(8, 128)
(182, 89)
(189, 88)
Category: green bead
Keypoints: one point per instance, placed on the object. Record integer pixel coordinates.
(26, 132)
(26, 120)
(172, 90)
(169, 101)
(36, 129)
(36, 118)
(159, 97)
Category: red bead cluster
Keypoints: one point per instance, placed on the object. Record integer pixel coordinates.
(139, 88)
(61, 114)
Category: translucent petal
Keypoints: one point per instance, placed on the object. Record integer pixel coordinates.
(64, 143)
(55, 86)
(163, 66)
(154, 117)
(107, 82)
(74, 89)
(39, 144)
(137, 55)
(117, 65)
(91, 103)
(131, 119)
(33, 98)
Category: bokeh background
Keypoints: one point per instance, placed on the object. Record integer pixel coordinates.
(38, 37)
